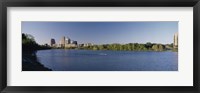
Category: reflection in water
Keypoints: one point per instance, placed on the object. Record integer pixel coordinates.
(89, 60)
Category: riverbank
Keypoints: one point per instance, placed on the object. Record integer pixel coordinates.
(30, 63)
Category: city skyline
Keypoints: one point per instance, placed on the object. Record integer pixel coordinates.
(102, 32)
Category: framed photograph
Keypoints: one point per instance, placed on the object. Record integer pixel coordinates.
(99, 46)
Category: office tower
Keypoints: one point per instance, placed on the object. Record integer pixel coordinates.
(52, 42)
(175, 44)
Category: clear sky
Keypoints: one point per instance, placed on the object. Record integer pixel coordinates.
(102, 32)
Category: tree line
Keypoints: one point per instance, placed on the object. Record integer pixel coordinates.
(131, 47)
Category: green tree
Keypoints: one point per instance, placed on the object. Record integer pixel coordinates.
(28, 43)
(160, 47)
(155, 47)
(148, 45)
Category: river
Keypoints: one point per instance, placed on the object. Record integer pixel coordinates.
(106, 60)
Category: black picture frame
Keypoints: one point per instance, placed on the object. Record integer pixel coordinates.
(98, 3)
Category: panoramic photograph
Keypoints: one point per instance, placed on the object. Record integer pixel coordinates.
(99, 46)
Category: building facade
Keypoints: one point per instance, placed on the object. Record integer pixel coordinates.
(67, 40)
(52, 42)
(175, 44)
(74, 42)
(87, 44)
(62, 42)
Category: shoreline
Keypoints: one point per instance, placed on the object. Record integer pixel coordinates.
(30, 63)
(176, 50)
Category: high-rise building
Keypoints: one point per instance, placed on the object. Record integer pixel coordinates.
(62, 42)
(52, 42)
(74, 42)
(67, 40)
(175, 44)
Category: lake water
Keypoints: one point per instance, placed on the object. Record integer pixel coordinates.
(104, 60)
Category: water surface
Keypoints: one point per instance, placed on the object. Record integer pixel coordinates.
(106, 60)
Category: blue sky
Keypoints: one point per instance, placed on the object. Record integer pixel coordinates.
(102, 32)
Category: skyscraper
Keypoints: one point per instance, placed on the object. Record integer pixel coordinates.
(67, 40)
(175, 40)
(52, 42)
(62, 42)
